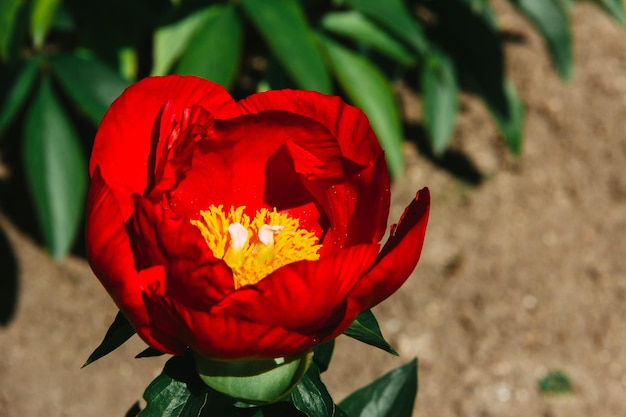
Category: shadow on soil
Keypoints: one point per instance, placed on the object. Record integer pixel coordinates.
(454, 162)
(8, 280)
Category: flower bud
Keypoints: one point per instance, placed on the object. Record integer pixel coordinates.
(254, 382)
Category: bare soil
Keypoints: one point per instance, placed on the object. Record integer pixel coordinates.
(523, 271)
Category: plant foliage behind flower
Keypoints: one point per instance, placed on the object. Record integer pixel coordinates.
(84, 54)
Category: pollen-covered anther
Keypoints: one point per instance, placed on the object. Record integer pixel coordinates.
(254, 248)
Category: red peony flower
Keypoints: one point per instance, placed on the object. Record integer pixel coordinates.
(243, 230)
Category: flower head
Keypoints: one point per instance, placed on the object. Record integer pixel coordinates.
(244, 230)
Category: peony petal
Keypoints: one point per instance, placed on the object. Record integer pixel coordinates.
(366, 195)
(397, 258)
(304, 297)
(110, 256)
(356, 208)
(194, 276)
(347, 123)
(222, 337)
(171, 156)
(130, 127)
(247, 165)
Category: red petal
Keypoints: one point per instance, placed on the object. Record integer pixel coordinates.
(398, 257)
(130, 126)
(222, 337)
(304, 297)
(357, 208)
(111, 258)
(173, 151)
(194, 276)
(347, 123)
(364, 197)
(247, 165)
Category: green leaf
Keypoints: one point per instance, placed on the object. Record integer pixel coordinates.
(615, 8)
(510, 124)
(552, 22)
(178, 392)
(567, 5)
(170, 41)
(283, 26)
(311, 396)
(42, 14)
(367, 88)
(355, 26)
(56, 172)
(149, 352)
(394, 16)
(279, 409)
(119, 332)
(483, 9)
(365, 329)
(90, 84)
(18, 93)
(475, 45)
(392, 395)
(11, 12)
(215, 50)
(440, 96)
(322, 354)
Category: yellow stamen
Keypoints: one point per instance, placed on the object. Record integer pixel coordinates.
(254, 248)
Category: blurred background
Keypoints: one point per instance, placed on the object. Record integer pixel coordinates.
(510, 111)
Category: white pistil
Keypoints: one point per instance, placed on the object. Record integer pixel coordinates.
(266, 233)
(238, 236)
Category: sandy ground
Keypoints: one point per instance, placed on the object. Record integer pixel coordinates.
(521, 274)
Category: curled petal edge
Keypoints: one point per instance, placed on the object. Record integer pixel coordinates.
(398, 257)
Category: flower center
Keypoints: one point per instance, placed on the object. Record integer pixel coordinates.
(254, 248)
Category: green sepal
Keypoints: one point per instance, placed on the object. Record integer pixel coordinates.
(323, 353)
(119, 332)
(365, 329)
(149, 352)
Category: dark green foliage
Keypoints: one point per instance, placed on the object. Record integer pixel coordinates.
(178, 392)
(119, 332)
(56, 171)
(365, 329)
(65, 61)
(392, 395)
